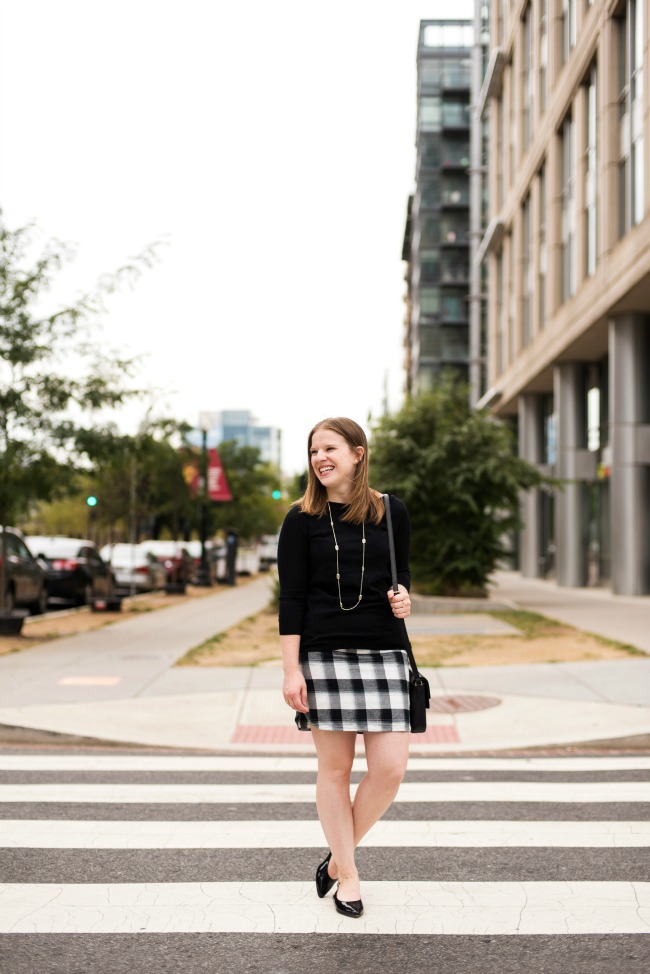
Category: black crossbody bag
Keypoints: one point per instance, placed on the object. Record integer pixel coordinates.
(419, 692)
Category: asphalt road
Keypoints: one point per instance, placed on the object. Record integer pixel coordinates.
(117, 887)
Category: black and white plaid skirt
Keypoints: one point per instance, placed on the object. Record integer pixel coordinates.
(356, 690)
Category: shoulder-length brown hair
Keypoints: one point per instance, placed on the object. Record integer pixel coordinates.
(365, 503)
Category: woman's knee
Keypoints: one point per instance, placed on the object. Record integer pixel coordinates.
(387, 764)
(335, 773)
(388, 773)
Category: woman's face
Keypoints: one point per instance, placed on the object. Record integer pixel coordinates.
(334, 461)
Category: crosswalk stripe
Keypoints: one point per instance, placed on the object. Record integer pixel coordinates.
(273, 834)
(478, 908)
(91, 762)
(498, 861)
(447, 791)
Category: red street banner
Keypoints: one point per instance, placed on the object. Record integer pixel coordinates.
(218, 489)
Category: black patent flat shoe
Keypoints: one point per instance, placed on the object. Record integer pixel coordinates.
(324, 881)
(349, 908)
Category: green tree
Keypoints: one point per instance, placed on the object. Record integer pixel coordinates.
(139, 483)
(457, 471)
(252, 511)
(46, 413)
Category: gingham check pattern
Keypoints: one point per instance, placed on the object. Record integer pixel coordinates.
(356, 690)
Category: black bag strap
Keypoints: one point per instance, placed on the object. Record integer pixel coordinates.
(393, 573)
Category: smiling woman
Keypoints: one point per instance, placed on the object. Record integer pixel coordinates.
(344, 642)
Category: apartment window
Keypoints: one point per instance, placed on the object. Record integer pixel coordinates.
(454, 228)
(543, 248)
(512, 304)
(591, 173)
(543, 54)
(429, 266)
(455, 114)
(430, 111)
(528, 77)
(502, 15)
(501, 324)
(568, 27)
(567, 137)
(527, 274)
(429, 301)
(513, 128)
(453, 269)
(429, 192)
(631, 196)
(501, 152)
(453, 305)
(455, 190)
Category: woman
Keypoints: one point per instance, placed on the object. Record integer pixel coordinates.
(343, 642)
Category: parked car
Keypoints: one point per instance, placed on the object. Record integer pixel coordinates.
(248, 560)
(135, 567)
(178, 562)
(75, 569)
(268, 550)
(26, 584)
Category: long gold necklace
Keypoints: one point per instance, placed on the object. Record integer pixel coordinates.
(349, 608)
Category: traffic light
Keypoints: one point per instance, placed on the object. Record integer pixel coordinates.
(277, 495)
(91, 500)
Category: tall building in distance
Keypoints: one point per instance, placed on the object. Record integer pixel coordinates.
(436, 240)
(240, 425)
(567, 252)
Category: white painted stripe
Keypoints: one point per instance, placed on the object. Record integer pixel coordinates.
(308, 834)
(435, 791)
(235, 762)
(390, 908)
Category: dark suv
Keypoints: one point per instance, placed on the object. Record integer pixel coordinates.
(26, 581)
(75, 570)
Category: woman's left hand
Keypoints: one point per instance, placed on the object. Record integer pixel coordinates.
(400, 603)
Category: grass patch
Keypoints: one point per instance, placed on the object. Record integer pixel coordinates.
(205, 648)
(538, 639)
(530, 624)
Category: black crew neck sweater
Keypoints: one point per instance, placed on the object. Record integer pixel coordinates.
(309, 598)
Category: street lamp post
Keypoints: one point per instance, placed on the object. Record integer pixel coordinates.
(203, 573)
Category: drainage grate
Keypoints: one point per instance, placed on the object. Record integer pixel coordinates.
(462, 704)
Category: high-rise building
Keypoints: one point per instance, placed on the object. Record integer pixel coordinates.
(240, 425)
(567, 251)
(436, 242)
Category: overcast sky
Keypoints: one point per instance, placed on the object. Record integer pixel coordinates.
(270, 143)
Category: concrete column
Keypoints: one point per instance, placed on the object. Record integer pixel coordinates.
(629, 416)
(573, 460)
(531, 449)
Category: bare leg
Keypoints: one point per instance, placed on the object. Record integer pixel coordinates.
(387, 755)
(335, 750)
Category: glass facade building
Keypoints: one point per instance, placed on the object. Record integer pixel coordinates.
(436, 243)
(239, 425)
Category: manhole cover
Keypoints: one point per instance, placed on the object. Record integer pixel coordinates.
(462, 704)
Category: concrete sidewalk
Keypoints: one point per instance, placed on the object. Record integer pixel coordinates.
(66, 685)
(596, 610)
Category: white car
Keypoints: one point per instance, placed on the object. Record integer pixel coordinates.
(268, 550)
(135, 567)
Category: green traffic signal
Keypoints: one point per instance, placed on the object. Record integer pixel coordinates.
(276, 495)
(91, 501)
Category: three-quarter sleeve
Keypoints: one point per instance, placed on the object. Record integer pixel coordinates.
(402, 535)
(293, 570)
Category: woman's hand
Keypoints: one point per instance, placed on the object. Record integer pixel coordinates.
(294, 691)
(400, 603)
